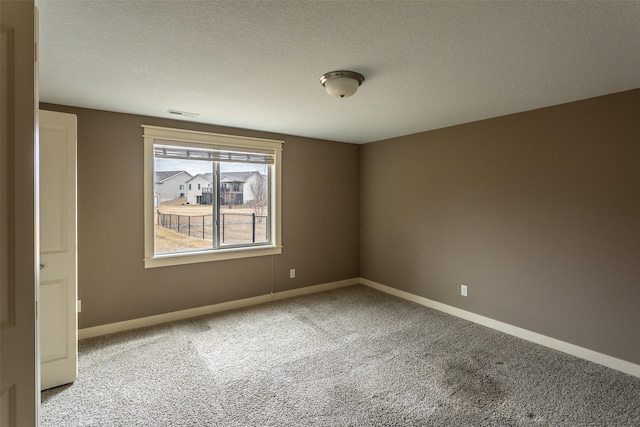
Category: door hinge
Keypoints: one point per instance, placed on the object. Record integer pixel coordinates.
(35, 52)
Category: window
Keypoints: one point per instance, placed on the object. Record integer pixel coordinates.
(182, 186)
(236, 213)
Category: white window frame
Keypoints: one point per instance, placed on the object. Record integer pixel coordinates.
(153, 133)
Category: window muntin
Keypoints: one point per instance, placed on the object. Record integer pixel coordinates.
(235, 210)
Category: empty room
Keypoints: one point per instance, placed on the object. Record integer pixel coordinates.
(327, 213)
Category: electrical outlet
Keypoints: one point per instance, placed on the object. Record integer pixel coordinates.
(463, 290)
(292, 273)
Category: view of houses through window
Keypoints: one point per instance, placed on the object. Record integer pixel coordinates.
(203, 204)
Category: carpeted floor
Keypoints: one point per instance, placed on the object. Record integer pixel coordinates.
(349, 357)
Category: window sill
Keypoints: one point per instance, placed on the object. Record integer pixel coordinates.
(209, 256)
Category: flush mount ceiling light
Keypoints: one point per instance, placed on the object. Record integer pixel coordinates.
(341, 84)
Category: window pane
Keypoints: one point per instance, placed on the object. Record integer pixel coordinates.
(209, 197)
(244, 203)
(183, 220)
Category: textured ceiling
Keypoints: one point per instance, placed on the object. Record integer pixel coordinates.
(256, 64)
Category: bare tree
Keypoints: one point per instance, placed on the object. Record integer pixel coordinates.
(227, 197)
(258, 187)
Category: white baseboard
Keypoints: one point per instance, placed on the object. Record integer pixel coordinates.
(574, 350)
(209, 309)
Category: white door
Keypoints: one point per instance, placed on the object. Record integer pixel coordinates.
(19, 393)
(58, 250)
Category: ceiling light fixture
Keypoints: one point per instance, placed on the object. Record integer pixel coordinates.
(341, 84)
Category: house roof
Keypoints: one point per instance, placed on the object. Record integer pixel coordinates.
(162, 176)
(204, 176)
(427, 64)
(227, 176)
(235, 176)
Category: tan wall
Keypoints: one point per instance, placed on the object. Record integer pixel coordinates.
(538, 213)
(320, 212)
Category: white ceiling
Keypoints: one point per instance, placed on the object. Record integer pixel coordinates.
(256, 64)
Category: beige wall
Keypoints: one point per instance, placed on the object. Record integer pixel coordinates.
(538, 213)
(320, 212)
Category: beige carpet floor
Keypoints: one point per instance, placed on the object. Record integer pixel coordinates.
(349, 357)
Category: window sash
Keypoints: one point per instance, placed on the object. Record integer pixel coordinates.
(261, 150)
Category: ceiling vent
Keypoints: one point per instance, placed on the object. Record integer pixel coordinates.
(182, 113)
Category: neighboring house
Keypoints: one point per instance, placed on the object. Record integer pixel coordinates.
(196, 186)
(170, 185)
(248, 182)
(236, 188)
